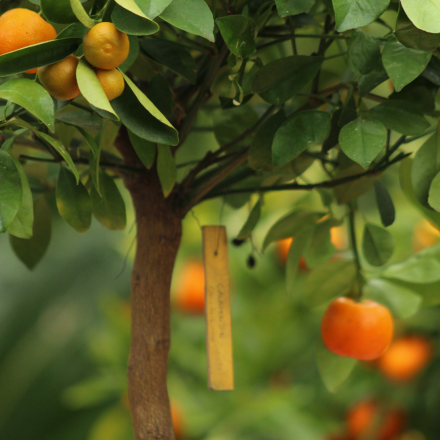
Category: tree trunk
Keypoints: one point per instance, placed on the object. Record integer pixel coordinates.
(158, 238)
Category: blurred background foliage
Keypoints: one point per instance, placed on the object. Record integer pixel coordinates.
(64, 328)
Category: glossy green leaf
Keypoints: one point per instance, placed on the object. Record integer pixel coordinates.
(131, 23)
(132, 6)
(160, 94)
(385, 204)
(401, 301)
(331, 279)
(293, 7)
(153, 8)
(333, 369)
(22, 224)
(109, 209)
(403, 64)
(166, 169)
(91, 88)
(37, 55)
(31, 251)
(400, 116)
(81, 14)
(193, 16)
(172, 55)
(73, 201)
(251, 222)
(75, 30)
(352, 14)
(58, 11)
(288, 225)
(434, 193)
(260, 151)
(425, 167)
(425, 14)
(373, 79)
(413, 37)
(297, 133)
(145, 150)
(377, 245)
(239, 34)
(94, 148)
(31, 96)
(363, 52)
(11, 190)
(362, 140)
(83, 119)
(280, 80)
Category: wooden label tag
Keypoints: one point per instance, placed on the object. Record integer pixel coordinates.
(218, 309)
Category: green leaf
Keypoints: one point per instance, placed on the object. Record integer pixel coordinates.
(413, 37)
(22, 224)
(283, 78)
(142, 117)
(401, 301)
(91, 88)
(94, 168)
(288, 225)
(31, 251)
(145, 150)
(297, 133)
(160, 94)
(31, 96)
(84, 119)
(363, 52)
(377, 245)
(81, 14)
(166, 169)
(193, 16)
(239, 33)
(293, 7)
(73, 201)
(384, 204)
(425, 167)
(133, 24)
(251, 222)
(403, 64)
(352, 14)
(331, 279)
(58, 11)
(37, 55)
(373, 79)
(297, 248)
(333, 369)
(362, 140)
(424, 14)
(11, 190)
(172, 55)
(132, 54)
(153, 8)
(75, 30)
(133, 7)
(400, 116)
(260, 151)
(90, 141)
(434, 193)
(109, 209)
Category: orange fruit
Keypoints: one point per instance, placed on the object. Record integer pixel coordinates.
(425, 235)
(21, 28)
(190, 294)
(405, 358)
(105, 47)
(339, 239)
(366, 417)
(59, 79)
(359, 330)
(112, 82)
(177, 420)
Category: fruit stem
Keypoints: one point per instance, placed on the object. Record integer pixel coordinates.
(357, 294)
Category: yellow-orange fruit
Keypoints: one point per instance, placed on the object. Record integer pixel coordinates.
(105, 47)
(112, 82)
(59, 79)
(190, 293)
(359, 330)
(425, 235)
(21, 28)
(177, 420)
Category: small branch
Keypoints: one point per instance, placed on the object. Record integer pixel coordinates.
(288, 37)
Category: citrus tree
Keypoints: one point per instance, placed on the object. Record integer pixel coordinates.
(340, 87)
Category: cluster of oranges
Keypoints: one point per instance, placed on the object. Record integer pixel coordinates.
(104, 47)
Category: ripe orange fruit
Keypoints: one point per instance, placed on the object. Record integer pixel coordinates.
(366, 417)
(177, 420)
(190, 294)
(112, 82)
(405, 358)
(59, 79)
(339, 237)
(359, 330)
(425, 235)
(105, 47)
(21, 28)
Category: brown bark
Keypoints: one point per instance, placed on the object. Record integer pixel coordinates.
(158, 239)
